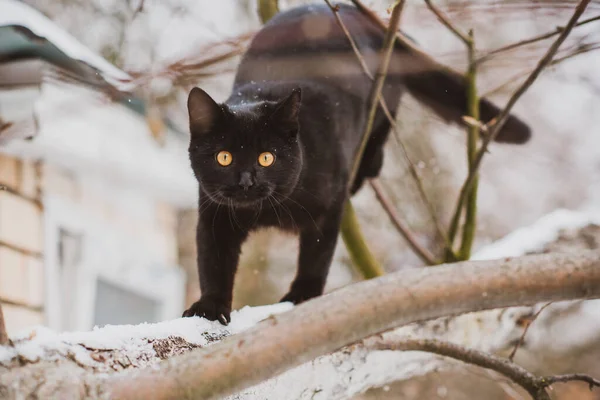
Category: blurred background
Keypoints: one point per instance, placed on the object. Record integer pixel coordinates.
(97, 200)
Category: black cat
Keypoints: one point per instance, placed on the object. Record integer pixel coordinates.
(279, 151)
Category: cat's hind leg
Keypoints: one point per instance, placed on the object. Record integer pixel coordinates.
(372, 160)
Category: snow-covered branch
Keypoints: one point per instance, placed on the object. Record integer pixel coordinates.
(316, 328)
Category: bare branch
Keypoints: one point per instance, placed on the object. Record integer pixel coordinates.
(550, 380)
(386, 54)
(516, 77)
(497, 123)
(446, 22)
(534, 385)
(534, 39)
(3, 334)
(522, 338)
(514, 372)
(419, 250)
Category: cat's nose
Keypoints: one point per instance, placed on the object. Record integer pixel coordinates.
(246, 180)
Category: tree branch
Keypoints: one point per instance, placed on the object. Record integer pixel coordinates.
(350, 314)
(446, 22)
(470, 225)
(550, 380)
(419, 250)
(497, 123)
(528, 324)
(375, 93)
(3, 334)
(355, 242)
(534, 39)
(514, 372)
(534, 385)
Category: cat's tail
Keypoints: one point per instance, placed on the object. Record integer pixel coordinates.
(444, 90)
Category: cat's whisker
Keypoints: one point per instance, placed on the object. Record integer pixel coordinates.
(301, 206)
(213, 221)
(287, 210)
(275, 210)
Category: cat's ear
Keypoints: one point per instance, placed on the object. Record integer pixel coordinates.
(203, 111)
(288, 109)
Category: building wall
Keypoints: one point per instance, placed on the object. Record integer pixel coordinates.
(123, 226)
(121, 233)
(21, 247)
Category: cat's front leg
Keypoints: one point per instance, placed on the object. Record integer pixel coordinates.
(317, 245)
(218, 242)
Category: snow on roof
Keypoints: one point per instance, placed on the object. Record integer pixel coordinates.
(17, 13)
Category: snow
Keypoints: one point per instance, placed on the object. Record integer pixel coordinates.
(17, 13)
(534, 237)
(47, 344)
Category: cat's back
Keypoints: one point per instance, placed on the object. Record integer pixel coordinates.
(307, 43)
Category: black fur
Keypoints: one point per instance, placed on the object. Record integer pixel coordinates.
(301, 95)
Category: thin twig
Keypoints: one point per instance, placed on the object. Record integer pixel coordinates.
(411, 166)
(421, 251)
(138, 9)
(514, 372)
(361, 59)
(535, 386)
(3, 335)
(472, 139)
(496, 124)
(522, 338)
(386, 55)
(534, 39)
(554, 62)
(550, 380)
(350, 232)
(444, 20)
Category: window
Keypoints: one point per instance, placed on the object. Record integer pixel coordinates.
(69, 268)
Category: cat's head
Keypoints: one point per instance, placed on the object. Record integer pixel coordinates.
(244, 154)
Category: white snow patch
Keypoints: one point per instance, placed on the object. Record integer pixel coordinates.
(47, 344)
(536, 236)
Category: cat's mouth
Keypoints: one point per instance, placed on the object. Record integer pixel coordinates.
(243, 198)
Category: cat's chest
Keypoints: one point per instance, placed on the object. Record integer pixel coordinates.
(288, 215)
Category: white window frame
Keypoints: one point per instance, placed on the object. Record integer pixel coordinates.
(167, 289)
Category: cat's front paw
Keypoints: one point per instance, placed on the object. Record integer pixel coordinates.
(210, 308)
(300, 296)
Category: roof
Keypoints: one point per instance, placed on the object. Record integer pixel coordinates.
(115, 144)
(40, 36)
(25, 33)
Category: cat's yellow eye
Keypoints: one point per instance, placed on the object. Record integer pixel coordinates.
(224, 158)
(266, 159)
